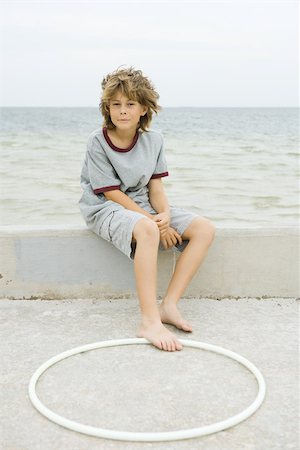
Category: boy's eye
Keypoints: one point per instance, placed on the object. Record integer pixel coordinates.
(118, 104)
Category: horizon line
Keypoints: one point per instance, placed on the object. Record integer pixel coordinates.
(162, 107)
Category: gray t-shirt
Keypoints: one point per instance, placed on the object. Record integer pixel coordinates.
(107, 167)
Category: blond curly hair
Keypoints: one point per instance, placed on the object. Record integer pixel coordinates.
(135, 86)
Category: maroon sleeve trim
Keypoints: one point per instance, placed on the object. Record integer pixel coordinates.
(105, 189)
(159, 175)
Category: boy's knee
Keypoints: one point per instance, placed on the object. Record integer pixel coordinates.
(209, 231)
(204, 229)
(146, 229)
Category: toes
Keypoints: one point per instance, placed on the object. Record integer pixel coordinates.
(185, 326)
(168, 346)
(178, 345)
(158, 344)
(165, 346)
(171, 346)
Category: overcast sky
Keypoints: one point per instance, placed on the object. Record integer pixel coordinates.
(197, 53)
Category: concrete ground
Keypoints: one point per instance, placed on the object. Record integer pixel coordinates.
(141, 388)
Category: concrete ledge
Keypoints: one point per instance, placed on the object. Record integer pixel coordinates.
(67, 262)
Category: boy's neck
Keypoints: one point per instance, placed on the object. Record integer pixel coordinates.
(122, 135)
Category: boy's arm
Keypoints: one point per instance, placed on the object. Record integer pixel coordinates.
(157, 196)
(124, 200)
(157, 199)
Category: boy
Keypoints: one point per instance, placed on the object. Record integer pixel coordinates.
(124, 201)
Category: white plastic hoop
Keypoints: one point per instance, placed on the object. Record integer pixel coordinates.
(146, 437)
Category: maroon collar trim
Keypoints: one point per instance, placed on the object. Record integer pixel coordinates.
(117, 149)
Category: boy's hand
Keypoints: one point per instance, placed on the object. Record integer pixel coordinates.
(162, 220)
(170, 237)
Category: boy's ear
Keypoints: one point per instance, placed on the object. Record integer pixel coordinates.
(145, 110)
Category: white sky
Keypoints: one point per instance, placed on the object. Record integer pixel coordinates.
(200, 53)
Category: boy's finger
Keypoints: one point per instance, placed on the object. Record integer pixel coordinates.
(174, 240)
(162, 223)
(164, 242)
(170, 241)
(163, 229)
(179, 238)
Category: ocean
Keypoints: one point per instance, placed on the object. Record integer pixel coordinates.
(239, 167)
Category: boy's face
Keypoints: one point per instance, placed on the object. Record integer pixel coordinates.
(125, 113)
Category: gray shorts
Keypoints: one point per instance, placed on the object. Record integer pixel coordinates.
(118, 226)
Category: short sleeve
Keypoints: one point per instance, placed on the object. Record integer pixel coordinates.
(161, 169)
(102, 175)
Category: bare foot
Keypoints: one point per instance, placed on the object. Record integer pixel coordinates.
(159, 336)
(170, 314)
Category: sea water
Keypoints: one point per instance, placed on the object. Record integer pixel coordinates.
(239, 167)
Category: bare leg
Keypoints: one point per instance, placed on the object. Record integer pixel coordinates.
(200, 234)
(147, 237)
